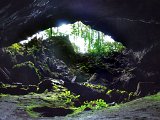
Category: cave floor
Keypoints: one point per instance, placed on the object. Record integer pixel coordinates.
(147, 108)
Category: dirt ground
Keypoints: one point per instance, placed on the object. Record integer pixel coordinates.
(140, 109)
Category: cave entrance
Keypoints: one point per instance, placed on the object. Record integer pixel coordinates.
(84, 39)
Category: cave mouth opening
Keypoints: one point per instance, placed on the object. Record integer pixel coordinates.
(83, 38)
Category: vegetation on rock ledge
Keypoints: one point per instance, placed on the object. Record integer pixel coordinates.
(53, 76)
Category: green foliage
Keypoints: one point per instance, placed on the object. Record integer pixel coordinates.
(76, 48)
(109, 92)
(99, 88)
(89, 63)
(68, 97)
(15, 48)
(49, 32)
(61, 97)
(92, 105)
(107, 48)
(33, 46)
(27, 64)
(31, 113)
(2, 85)
(53, 32)
(155, 97)
(94, 40)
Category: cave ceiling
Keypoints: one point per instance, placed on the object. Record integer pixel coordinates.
(135, 23)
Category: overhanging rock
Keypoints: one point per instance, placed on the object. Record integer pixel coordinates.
(135, 23)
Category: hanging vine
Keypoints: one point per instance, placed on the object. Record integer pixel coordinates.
(94, 40)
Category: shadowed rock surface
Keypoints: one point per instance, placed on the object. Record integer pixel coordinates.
(134, 23)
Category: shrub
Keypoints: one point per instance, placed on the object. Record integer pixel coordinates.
(14, 49)
(68, 97)
(92, 105)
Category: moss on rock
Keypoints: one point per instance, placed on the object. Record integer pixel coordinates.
(26, 73)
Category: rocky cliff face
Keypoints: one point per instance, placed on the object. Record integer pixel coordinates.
(134, 23)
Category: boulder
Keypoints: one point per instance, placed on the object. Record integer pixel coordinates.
(32, 88)
(61, 48)
(53, 68)
(114, 95)
(118, 96)
(93, 78)
(5, 76)
(13, 90)
(45, 85)
(86, 93)
(146, 88)
(25, 73)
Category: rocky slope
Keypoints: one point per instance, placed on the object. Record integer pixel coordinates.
(135, 23)
(147, 108)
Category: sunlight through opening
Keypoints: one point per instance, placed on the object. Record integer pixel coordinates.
(77, 32)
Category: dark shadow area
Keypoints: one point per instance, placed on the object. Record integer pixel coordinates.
(52, 112)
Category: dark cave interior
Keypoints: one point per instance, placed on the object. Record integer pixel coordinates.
(52, 65)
